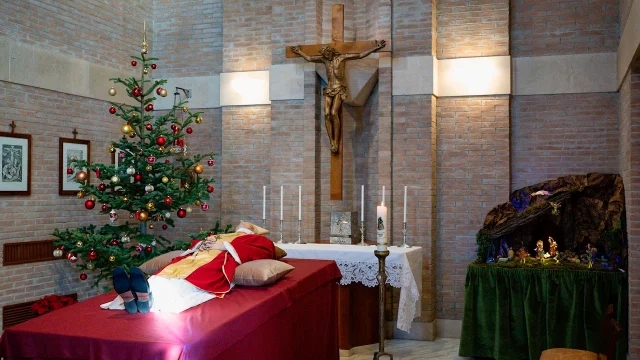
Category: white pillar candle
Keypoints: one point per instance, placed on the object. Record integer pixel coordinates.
(362, 204)
(264, 202)
(281, 202)
(299, 202)
(381, 225)
(405, 204)
(382, 195)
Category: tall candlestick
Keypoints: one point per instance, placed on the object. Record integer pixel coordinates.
(383, 195)
(404, 219)
(264, 202)
(281, 202)
(362, 204)
(381, 238)
(299, 202)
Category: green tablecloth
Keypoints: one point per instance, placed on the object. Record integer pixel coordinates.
(517, 313)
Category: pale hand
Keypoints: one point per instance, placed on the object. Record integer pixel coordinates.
(380, 44)
(295, 49)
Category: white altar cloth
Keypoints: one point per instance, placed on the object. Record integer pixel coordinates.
(358, 264)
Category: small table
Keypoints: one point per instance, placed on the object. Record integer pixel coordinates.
(358, 264)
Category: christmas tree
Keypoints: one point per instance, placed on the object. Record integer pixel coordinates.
(152, 178)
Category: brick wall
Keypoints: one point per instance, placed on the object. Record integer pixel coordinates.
(412, 28)
(287, 27)
(561, 27)
(472, 177)
(188, 35)
(630, 161)
(557, 135)
(95, 31)
(472, 28)
(414, 166)
(246, 36)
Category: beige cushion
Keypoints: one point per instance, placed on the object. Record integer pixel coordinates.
(568, 354)
(261, 272)
(152, 266)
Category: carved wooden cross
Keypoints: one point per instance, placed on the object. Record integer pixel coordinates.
(337, 42)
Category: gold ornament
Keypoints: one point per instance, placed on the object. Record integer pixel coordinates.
(112, 91)
(132, 134)
(125, 198)
(145, 70)
(131, 216)
(185, 109)
(112, 258)
(198, 169)
(112, 149)
(81, 176)
(151, 226)
(143, 216)
(148, 168)
(143, 50)
(126, 129)
(79, 244)
(163, 92)
(197, 203)
(187, 186)
(150, 206)
(80, 194)
(165, 179)
(199, 120)
(161, 148)
(91, 265)
(189, 209)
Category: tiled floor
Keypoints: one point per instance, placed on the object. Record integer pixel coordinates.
(440, 349)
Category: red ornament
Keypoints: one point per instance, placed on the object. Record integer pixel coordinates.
(159, 90)
(148, 249)
(210, 162)
(182, 213)
(151, 159)
(189, 130)
(154, 66)
(114, 242)
(97, 172)
(148, 126)
(69, 171)
(105, 207)
(210, 189)
(89, 204)
(149, 107)
(161, 140)
(138, 215)
(72, 258)
(168, 201)
(134, 63)
(173, 127)
(204, 207)
(136, 92)
(112, 110)
(83, 276)
(92, 255)
(102, 187)
(137, 177)
(165, 226)
(167, 161)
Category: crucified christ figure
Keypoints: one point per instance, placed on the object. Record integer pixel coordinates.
(336, 90)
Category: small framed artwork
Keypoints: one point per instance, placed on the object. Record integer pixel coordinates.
(70, 151)
(15, 158)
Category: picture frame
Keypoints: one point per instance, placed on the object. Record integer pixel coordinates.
(71, 149)
(116, 159)
(15, 159)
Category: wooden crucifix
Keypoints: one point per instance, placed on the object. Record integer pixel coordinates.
(334, 56)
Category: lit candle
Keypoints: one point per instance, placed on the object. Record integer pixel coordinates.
(281, 202)
(381, 238)
(299, 202)
(405, 204)
(264, 202)
(362, 204)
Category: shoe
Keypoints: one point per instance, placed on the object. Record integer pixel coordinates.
(140, 287)
(122, 285)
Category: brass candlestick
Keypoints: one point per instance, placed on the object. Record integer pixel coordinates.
(280, 241)
(362, 243)
(404, 236)
(299, 241)
(382, 279)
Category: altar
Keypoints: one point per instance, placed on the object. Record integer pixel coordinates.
(359, 268)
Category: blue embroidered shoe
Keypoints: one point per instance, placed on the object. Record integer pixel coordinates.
(140, 287)
(122, 286)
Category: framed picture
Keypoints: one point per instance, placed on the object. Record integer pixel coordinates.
(15, 158)
(117, 157)
(71, 150)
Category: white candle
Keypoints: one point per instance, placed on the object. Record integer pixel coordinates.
(299, 202)
(264, 202)
(381, 225)
(382, 195)
(281, 202)
(405, 204)
(362, 204)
